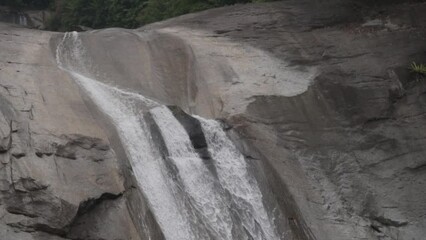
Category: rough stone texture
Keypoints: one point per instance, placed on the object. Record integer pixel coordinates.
(348, 154)
(55, 159)
(317, 93)
(106, 219)
(350, 150)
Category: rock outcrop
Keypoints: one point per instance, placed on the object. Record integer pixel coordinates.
(57, 166)
(318, 97)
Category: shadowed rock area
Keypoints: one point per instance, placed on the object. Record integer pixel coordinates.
(27, 18)
(317, 95)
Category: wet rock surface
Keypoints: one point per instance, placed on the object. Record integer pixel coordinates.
(350, 149)
(345, 150)
(318, 97)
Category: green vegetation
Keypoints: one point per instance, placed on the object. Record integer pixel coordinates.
(97, 14)
(23, 4)
(157, 10)
(70, 14)
(418, 68)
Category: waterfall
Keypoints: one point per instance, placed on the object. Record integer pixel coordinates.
(233, 176)
(196, 178)
(188, 200)
(22, 19)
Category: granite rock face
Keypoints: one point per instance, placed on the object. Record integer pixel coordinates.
(317, 94)
(347, 154)
(55, 159)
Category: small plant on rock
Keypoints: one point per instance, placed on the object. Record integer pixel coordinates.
(419, 70)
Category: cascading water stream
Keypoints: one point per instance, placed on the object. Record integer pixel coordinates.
(196, 178)
(23, 20)
(122, 108)
(186, 198)
(233, 176)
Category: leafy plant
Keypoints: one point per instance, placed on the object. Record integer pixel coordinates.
(418, 68)
(30, 4)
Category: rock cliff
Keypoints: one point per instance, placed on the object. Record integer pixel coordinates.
(317, 95)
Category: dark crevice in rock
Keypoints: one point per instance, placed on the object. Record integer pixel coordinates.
(88, 206)
(88, 142)
(390, 222)
(47, 229)
(5, 141)
(377, 120)
(327, 57)
(39, 227)
(396, 156)
(39, 154)
(19, 155)
(66, 151)
(31, 185)
(91, 203)
(222, 31)
(418, 168)
(7, 88)
(375, 228)
(11, 174)
(75, 144)
(18, 211)
(250, 158)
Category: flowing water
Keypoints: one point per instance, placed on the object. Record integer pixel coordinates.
(187, 198)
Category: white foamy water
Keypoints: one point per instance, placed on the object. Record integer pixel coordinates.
(234, 176)
(197, 179)
(187, 199)
(149, 170)
(22, 20)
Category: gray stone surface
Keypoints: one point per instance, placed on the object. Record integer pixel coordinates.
(348, 153)
(317, 93)
(55, 159)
